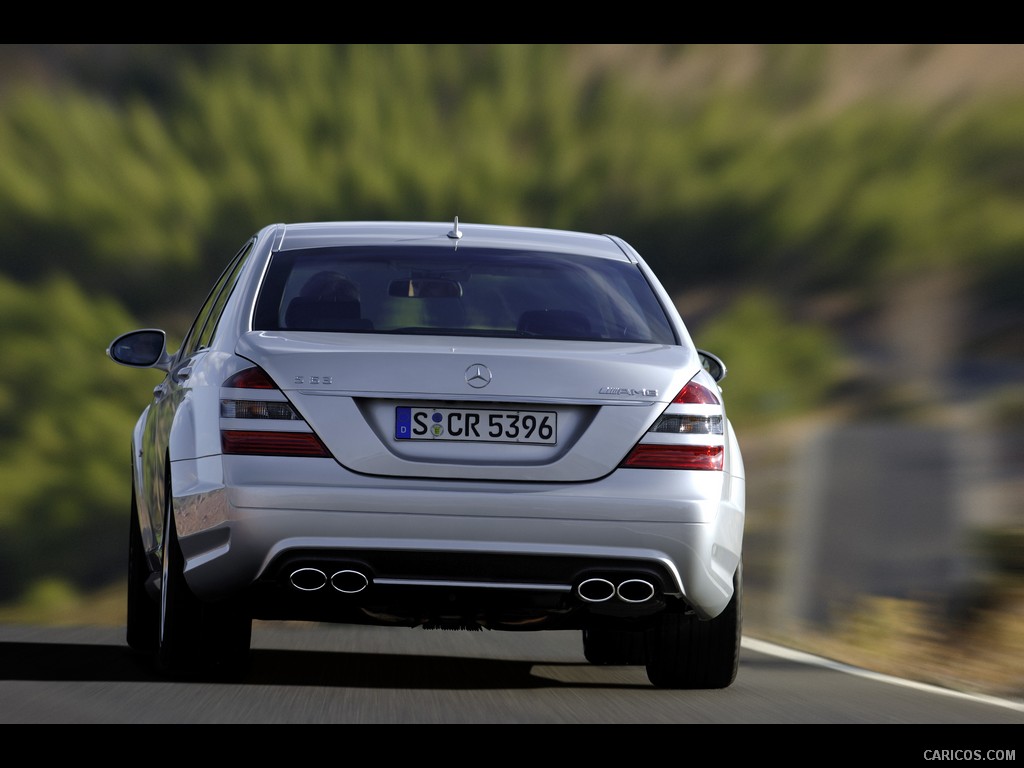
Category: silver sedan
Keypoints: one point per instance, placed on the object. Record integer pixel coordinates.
(437, 425)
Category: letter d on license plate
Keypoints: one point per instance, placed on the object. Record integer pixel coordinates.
(476, 425)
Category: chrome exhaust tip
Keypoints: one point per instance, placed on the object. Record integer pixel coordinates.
(308, 579)
(635, 591)
(349, 582)
(596, 590)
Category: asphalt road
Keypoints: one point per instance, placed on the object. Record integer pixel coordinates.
(322, 674)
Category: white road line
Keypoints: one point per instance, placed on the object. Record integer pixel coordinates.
(771, 649)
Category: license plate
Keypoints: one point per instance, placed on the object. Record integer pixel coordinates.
(475, 425)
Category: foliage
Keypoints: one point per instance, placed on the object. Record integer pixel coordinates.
(66, 414)
(777, 367)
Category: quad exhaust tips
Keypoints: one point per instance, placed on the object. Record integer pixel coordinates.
(346, 581)
(597, 590)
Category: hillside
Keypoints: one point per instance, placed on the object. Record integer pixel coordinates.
(833, 76)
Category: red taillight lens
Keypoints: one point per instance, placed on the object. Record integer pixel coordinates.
(250, 378)
(257, 443)
(696, 394)
(649, 456)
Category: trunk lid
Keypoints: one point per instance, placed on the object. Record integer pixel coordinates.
(473, 408)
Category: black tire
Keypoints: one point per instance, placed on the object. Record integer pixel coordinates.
(178, 651)
(612, 647)
(196, 639)
(685, 652)
(143, 630)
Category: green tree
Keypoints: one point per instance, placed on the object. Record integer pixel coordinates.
(777, 367)
(66, 415)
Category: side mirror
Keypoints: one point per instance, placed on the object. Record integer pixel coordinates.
(712, 364)
(141, 349)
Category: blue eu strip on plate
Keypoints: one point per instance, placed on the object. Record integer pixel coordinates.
(403, 419)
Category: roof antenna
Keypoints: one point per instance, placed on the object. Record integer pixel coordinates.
(455, 234)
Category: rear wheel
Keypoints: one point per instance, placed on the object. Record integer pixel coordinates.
(685, 652)
(196, 638)
(143, 611)
(613, 647)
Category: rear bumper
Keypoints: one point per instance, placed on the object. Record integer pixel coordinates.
(498, 549)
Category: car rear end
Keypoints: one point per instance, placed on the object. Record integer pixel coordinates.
(507, 432)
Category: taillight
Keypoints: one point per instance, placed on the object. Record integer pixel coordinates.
(696, 393)
(675, 457)
(257, 443)
(271, 406)
(688, 424)
(689, 434)
(250, 378)
(258, 409)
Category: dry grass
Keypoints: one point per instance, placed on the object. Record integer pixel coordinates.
(983, 655)
(52, 603)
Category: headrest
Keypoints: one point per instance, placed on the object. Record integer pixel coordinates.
(312, 314)
(554, 322)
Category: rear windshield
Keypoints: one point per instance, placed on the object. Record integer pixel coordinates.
(470, 292)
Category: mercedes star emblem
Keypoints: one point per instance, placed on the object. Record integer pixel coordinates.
(478, 375)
